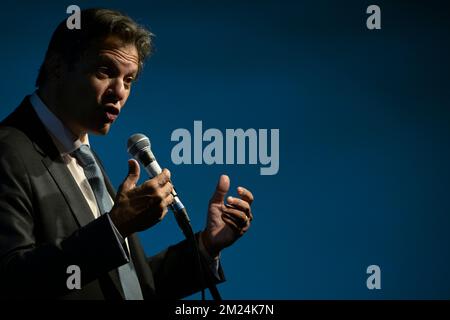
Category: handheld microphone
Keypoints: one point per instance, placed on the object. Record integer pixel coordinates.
(139, 147)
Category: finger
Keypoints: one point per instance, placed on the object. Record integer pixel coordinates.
(163, 205)
(156, 182)
(163, 214)
(132, 176)
(245, 194)
(221, 189)
(165, 190)
(238, 216)
(168, 200)
(159, 180)
(148, 193)
(239, 204)
(163, 177)
(230, 222)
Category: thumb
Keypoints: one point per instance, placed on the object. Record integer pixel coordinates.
(221, 189)
(132, 177)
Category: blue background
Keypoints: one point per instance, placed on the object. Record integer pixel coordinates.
(364, 133)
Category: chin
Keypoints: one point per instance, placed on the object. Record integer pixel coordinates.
(103, 131)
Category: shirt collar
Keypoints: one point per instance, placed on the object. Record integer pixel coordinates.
(64, 139)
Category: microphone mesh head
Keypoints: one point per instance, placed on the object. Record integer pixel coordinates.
(137, 142)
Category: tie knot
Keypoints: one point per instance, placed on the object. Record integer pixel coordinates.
(84, 155)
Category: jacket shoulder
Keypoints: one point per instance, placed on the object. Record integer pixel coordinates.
(23, 130)
(13, 138)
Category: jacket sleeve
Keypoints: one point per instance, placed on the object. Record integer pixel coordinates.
(177, 274)
(32, 268)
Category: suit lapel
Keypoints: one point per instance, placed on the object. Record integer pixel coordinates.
(26, 120)
(70, 190)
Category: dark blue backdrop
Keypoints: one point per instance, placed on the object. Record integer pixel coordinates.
(364, 133)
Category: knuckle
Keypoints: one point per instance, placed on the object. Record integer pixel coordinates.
(159, 194)
(150, 184)
(163, 177)
(166, 173)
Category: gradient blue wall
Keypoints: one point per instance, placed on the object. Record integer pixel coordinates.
(364, 133)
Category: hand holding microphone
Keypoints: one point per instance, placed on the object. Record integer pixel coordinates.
(138, 208)
(139, 148)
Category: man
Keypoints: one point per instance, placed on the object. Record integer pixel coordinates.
(57, 206)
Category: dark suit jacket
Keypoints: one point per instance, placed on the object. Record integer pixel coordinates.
(46, 225)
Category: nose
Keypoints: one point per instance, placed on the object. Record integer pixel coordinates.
(116, 90)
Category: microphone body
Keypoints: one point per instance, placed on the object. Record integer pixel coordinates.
(139, 148)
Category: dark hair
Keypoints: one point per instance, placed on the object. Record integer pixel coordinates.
(96, 25)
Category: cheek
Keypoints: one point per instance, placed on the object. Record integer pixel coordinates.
(97, 87)
(127, 94)
(84, 89)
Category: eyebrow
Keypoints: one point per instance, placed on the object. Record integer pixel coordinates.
(110, 61)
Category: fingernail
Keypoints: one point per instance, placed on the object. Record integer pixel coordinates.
(230, 199)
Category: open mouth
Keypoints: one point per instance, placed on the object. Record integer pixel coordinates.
(111, 113)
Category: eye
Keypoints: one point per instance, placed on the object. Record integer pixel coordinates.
(129, 81)
(102, 72)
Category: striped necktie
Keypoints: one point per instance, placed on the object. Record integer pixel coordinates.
(127, 273)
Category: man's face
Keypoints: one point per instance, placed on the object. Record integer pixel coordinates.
(93, 92)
